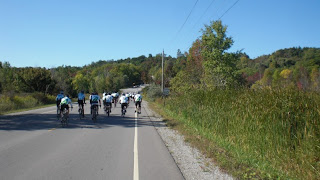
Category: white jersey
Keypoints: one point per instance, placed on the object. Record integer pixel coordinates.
(66, 101)
(107, 98)
(138, 97)
(123, 99)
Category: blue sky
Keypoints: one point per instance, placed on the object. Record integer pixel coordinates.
(51, 33)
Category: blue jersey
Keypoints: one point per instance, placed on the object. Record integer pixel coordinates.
(59, 97)
(81, 96)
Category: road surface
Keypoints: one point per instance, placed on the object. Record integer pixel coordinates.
(33, 145)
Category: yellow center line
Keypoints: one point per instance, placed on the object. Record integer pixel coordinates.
(52, 129)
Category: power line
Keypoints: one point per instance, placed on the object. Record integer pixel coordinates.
(186, 19)
(204, 13)
(219, 17)
(229, 9)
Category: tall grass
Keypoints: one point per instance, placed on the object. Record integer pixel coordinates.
(12, 102)
(274, 131)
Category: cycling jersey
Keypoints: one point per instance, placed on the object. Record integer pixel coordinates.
(107, 98)
(138, 97)
(66, 101)
(59, 97)
(114, 94)
(81, 96)
(94, 99)
(123, 99)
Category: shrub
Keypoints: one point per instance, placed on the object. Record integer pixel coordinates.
(153, 92)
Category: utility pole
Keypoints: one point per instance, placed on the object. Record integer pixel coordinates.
(162, 85)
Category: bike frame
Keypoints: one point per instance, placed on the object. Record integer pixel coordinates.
(64, 117)
(94, 113)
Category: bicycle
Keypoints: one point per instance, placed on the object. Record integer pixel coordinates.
(107, 109)
(115, 102)
(58, 112)
(138, 110)
(123, 111)
(81, 112)
(64, 118)
(94, 113)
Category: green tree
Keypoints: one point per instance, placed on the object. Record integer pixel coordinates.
(80, 82)
(7, 77)
(219, 66)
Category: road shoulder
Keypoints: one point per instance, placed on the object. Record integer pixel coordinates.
(192, 164)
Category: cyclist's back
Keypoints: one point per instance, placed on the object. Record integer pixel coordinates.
(81, 98)
(65, 104)
(107, 99)
(123, 101)
(94, 100)
(59, 97)
(138, 100)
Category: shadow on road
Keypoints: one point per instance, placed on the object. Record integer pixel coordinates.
(30, 122)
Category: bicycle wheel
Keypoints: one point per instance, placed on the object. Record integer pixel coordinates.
(58, 113)
(80, 112)
(64, 118)
(94, 114)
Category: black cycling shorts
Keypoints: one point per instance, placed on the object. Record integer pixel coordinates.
(107, 103)
(138, 103)
(80, 102)
(64, 106)
(58, 102)
(124, 105)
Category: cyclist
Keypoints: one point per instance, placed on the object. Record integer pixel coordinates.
(58, 98)
(137, 101)
(123, 101)
(128, 97)
(94, 101)
(81, 99)
(115, 96)
(107, 100)
(65, 104)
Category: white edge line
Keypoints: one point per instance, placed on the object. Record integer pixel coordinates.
(135, 150)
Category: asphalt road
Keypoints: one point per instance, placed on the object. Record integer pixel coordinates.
(33, 145)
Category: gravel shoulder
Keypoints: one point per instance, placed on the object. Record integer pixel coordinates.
(192, 164)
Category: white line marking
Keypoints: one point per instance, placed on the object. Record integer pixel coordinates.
(135, 150)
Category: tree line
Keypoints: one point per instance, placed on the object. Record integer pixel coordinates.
(207, 64)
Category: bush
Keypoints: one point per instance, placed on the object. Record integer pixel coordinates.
(153, 92)
(11, 102)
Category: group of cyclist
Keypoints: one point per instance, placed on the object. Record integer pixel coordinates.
(63, 101)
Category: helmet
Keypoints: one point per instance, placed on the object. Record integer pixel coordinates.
(122, 94)
(67, 96)
(82, 91)
(109, 93)
(61, 92)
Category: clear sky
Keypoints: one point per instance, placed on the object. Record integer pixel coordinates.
(51, 33)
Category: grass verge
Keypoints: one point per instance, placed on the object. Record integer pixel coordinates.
(21, 102)
(251, 134)
(27, 109)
